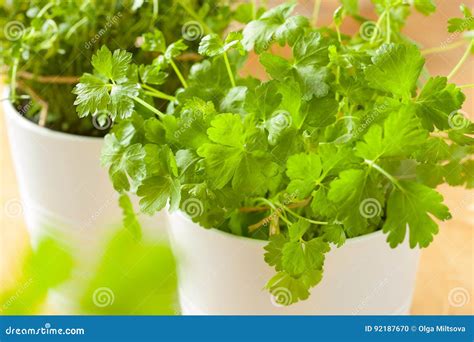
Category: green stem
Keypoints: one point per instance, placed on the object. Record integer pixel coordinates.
(303, 218)
(254, 9)
(462, 60)
(316, 8)
(178, 73)
(155, 9)
(157, 93)
(443, 48)
(229, 70)
(13, 79)
(377, 26)
(148, 106)
(465, 86)
(194, 15)
(389, 29)
(395, 181)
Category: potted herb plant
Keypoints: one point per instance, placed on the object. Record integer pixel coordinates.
(330, 163)
(46, 46)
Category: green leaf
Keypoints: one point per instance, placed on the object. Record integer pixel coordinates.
(426, 7)
(416, 201)
(304, 171)
(130, 219)
(156, 191)
(395, 69)
(462, 24)
(334, 233)
(437, 102)
(275, 24)
(175, 49)
(400, 136)
(154, 41)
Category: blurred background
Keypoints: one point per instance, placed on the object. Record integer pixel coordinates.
(143, 277)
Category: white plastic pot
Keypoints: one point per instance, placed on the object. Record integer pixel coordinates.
(223, 274)
(65, 192)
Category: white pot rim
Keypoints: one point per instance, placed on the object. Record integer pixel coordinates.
(350, 241)
(34, 128)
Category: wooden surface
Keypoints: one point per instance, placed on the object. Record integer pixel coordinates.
(445, 278)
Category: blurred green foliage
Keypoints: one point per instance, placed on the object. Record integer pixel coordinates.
(139, 277)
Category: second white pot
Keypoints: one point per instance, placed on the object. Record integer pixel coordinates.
(223, 274)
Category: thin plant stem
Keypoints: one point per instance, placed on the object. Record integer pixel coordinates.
(395, 181)
(158, 94)
(148, 106)
(178, 73)
(316, 9)
(461, 61)
(466, 86)
(443, 48)
(229, 70)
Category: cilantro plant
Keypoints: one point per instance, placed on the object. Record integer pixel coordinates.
(347, 136)
(46, 45)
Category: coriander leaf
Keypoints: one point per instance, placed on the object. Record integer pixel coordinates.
(395, 69)
(288, 290)
(154, 41)
(123, 162)
(108, 90)
(129, 217)
(152, 74)
(275, 24)
(409, 207)
(437, 101)
(298, 229)
(304, 171)
(334, 233)
(263, 100)
(399, 136)
(426, 7)
(274, 249)
(156, 191)
(351, 6)
(350, 192)
(195, 119)
(175, 49)
(462, 24)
